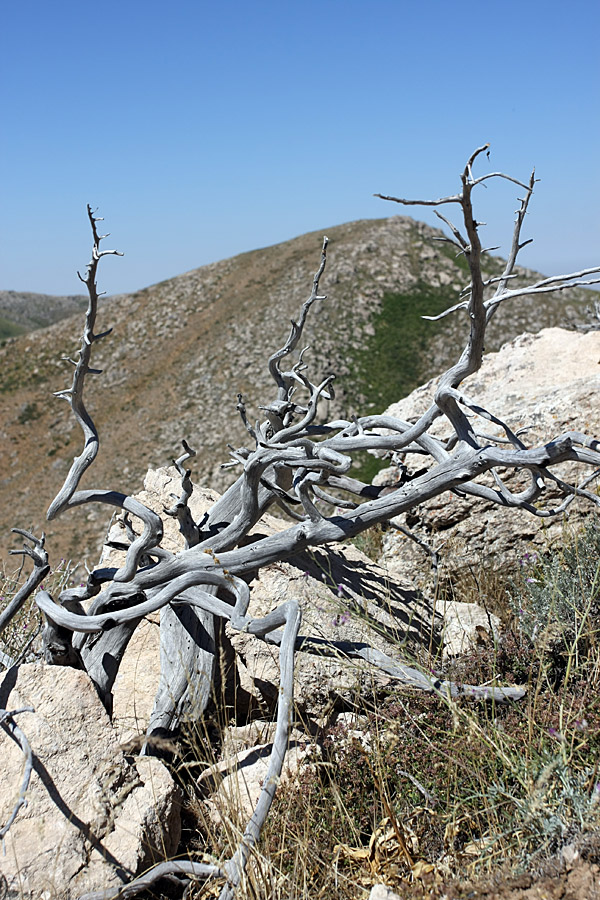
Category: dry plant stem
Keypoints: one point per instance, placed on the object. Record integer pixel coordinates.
(187, 638)
(67, 496)
(265, 628)
(284, 381)
(290, 616)
(82, 367)
(297, 462)
(187, 664)
(180, 510)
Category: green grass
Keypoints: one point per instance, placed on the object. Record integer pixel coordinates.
(394, 359)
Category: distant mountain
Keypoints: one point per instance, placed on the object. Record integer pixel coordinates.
(182, 350)
(22, 311)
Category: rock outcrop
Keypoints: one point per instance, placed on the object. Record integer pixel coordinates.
(542, 386)
(94, 817)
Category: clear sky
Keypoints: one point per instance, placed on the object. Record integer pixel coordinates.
(201, 130)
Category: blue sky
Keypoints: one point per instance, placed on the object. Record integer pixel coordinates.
(201, 130)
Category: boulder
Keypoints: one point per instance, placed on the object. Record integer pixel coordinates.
(137, 682)
(94, 818)
(465, 626)
(383, 892)
(546, 383)
(233, 784)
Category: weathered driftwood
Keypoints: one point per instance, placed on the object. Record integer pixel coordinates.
(301, 465)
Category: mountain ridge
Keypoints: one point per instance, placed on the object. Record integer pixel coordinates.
(182, 350)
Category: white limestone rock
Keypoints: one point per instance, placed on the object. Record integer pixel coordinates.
(383, 892)
(465, 626)
(547, 383)
(233, 784)
(93, 817)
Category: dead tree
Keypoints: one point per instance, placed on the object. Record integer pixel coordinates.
(302, 466)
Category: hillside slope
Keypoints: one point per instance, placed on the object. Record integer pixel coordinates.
(181, 351)
(21, 311)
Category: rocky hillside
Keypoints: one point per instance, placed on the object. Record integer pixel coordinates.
(23, 311)
(181, 351)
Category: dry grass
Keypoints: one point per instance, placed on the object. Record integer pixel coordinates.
(20, 639)
(415, 790)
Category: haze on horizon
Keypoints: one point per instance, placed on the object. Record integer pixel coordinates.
(207, 130)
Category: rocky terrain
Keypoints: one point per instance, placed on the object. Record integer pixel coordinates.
(182, 350)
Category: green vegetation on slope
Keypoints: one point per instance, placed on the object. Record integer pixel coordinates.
(394, 359)
(9, 329)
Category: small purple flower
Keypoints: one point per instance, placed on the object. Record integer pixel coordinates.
(581, 725)
(597, 787)
(340, 590)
